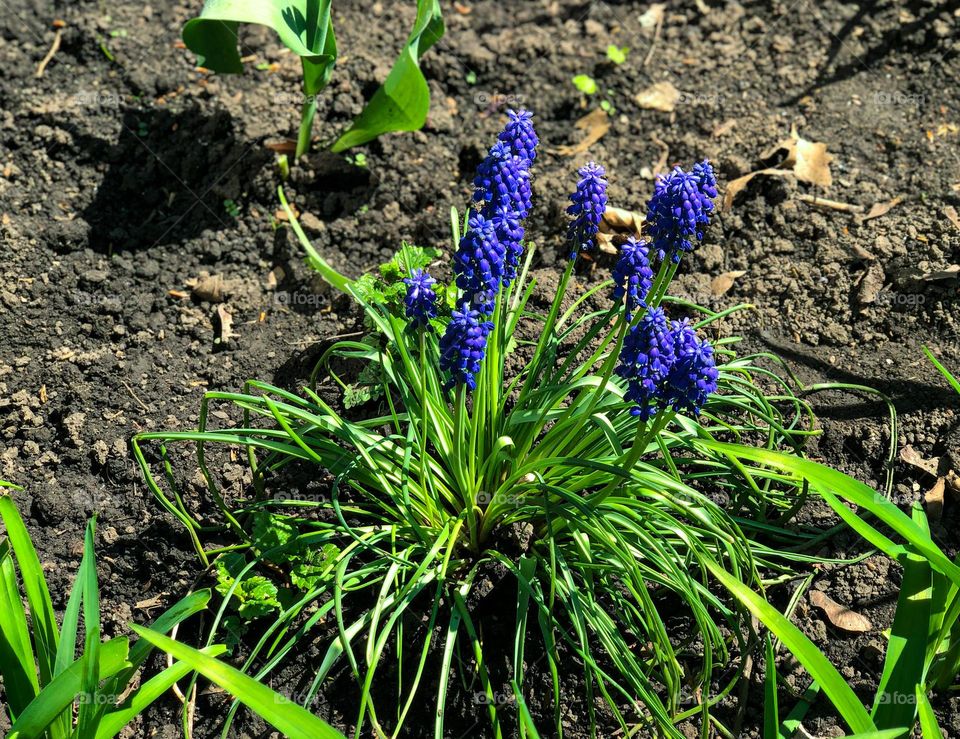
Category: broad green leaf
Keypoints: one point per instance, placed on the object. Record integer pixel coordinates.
(806, 652)
(46, 635)
(403, 101)
(304, 27)
(59, 694)
(17, 666)
(929, 726)
(287, 717)
(113, 722)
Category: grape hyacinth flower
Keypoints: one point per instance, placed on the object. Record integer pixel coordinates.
(589, 203)
(681, 204)
(632, 276)
(463, 346)
(510, 234)
(503, 180)
(420, 300)
(694, 374)
(479, 263)
(645, 362)
(520, 135)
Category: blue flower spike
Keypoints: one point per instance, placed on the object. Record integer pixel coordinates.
(463, 346)
(693, 376)
(479, 263)
(680, 207)
(645, 362)
(632, 275)
(503, 179)
(520, 135)
(420, 300)
(588, 204)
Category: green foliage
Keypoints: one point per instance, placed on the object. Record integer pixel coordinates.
(585, 84)
(427, 487)
(306, 28)
(617, 54)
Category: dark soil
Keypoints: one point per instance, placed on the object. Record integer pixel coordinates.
(116, 165)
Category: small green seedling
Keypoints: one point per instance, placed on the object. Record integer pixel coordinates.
(232, 208)
(617, 54)
(471, 77)
(585, 84)
(306, 28)
(358, 160)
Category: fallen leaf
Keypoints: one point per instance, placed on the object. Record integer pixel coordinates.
(881, 209)
(661, 96)
(950, 273)
(840, 616)
(724, 128)
(206, 287)
(225, 333)
(953, 482)
(596, 124)
(871, 284)
(178, 294)
(912, 457)
(934, 499)
(735, 186)
(149, 603)
(812, 163)
(652, 15)
(618, 219)
(721, 284)
(283, 146)
(951, 213)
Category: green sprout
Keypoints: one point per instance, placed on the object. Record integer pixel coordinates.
(617, 54)
(231, 208)
(585, 84)
(306, 28)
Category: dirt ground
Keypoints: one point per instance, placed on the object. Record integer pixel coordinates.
(126, 173)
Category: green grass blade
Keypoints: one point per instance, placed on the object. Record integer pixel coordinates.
(790, 725)
(17, 666)
(771, 709)
(806, 652)
(59, 694)
(948, 376)
(285, 716)
(929, 727)
(91, 625)
(113, 722)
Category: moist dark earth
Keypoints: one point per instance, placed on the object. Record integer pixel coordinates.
(126, 173)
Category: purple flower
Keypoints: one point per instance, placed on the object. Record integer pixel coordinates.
(506, 224)
(632, 276)
(503, 180)
(463, 346)
(645, 361)
(520, 135)
(479, 263)
(693, 376)
(680, 206)
(589, 203)
(420, 300)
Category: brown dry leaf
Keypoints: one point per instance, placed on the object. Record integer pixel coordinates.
(178, 294)
(225, 333)
(207, 287)
(662, 96)
(934, 499)
(618, 219)
(812, 163)
(724, 128)
(721, 284)
(951, 213)
(881, 209)
(840, 616)
(735, 186)
(953, 482)
(283, 146)
(596, 124)
(149, 603)
(912, 457)
(950, 273)
(871, 284)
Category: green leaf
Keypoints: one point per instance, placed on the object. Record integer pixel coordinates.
(617, 54)
(254, 595)
(403, 101)
(287, 717)
(806, 652)
(771, 708)
(304, 27)
(17, 665)
(57, 696)
(585, 84)
(928, 719)
(113, 722)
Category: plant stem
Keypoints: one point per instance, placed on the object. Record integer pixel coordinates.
(307, 113)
